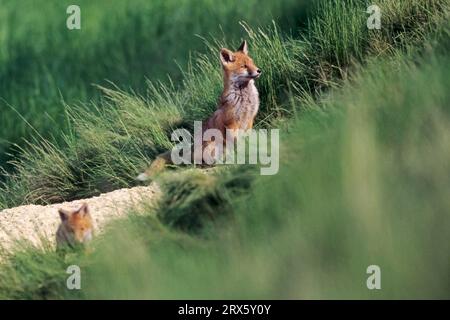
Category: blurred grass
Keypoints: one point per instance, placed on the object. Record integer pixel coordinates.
(363, 175)
(42, 63)
(356, 187)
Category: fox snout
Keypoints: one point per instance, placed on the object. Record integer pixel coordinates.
(83, 236)
(255, 74)
(248, 74)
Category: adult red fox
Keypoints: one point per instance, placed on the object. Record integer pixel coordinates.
(238, 104)
(76, 227)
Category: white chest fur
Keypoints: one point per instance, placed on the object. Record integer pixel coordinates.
(245, 103)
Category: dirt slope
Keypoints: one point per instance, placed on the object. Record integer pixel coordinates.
(31, 222)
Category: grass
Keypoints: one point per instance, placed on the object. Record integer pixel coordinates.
(362, 176)
(108, 143)
(385, 204)
(43, 64)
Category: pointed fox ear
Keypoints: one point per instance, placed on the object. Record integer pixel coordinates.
(84, 209)
(64, 214)
(226, 56)
(243, 47)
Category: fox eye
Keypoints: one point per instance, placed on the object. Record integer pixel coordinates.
(244, 66)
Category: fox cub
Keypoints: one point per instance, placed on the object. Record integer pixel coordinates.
(238, 103)
(76, 227)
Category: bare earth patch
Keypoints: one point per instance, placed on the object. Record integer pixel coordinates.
(35, 222)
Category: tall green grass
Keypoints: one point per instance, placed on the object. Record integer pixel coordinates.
(108, 143)
(362, 181)
(42, 63)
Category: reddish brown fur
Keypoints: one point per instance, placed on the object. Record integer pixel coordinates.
(76, 226)
(235, 64)
(238, 104)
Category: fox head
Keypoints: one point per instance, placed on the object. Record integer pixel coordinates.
(238, 67)
(77, 225)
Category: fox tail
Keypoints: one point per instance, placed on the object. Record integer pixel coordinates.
(156, 167)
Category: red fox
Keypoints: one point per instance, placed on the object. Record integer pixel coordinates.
(238, 104)
(76, 227)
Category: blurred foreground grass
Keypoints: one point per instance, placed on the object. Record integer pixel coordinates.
(363, 178)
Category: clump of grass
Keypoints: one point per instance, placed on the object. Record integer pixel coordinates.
(339, 36)
(195, 199)
(32, 273)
